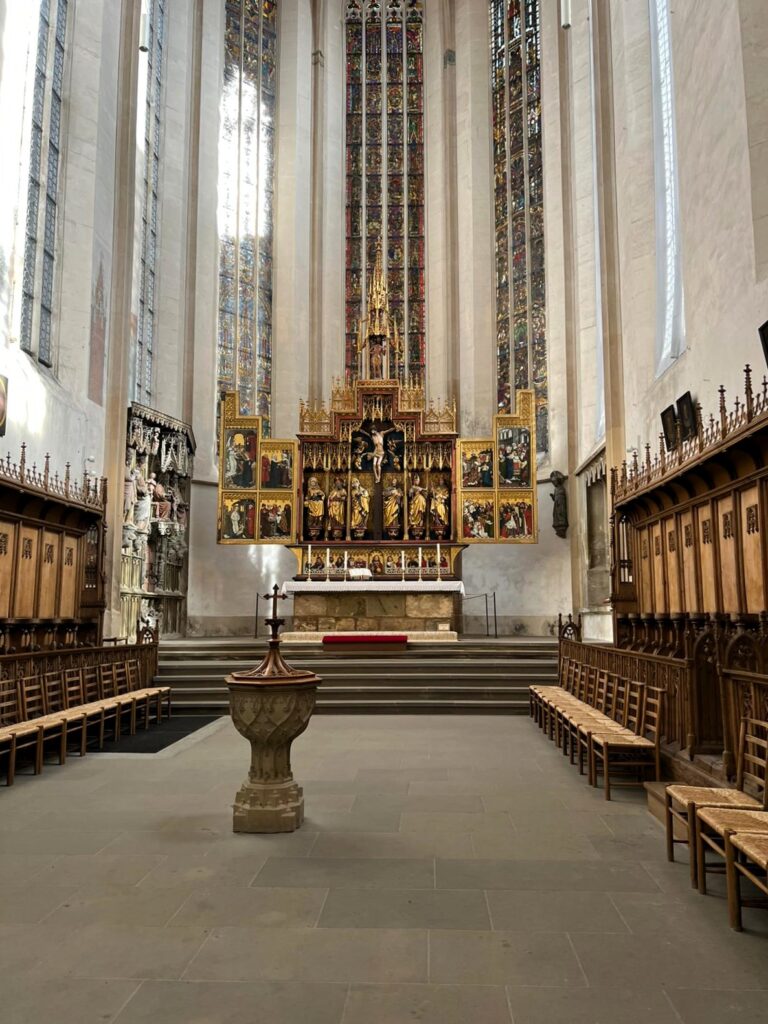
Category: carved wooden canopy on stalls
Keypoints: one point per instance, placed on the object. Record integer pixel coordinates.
(689, 526)
(51, 551)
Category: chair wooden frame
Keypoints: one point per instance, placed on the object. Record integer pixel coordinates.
(15, 733)
(746, 856)
(682, 802)
(629, 751)
(32, 694)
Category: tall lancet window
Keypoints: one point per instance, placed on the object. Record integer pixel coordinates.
(246, 184)
(43, 185)
(521, 345)
(150, 130)
(385, 168)
(670, 320)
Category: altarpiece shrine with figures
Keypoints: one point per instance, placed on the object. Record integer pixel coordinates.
(378, 487)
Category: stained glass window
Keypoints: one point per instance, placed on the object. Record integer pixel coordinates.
(521, 347)
(42, 190)
(385, 167)
(150, 127)
(246, 184)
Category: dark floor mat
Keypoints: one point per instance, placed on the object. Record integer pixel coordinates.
(157, 737)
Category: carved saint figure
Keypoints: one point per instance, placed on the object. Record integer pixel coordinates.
(559, 503)
(129, 492)
(438, 508)
(314, 503)
(417, 507)
(393, 507)
(337, 509)
(143, 500)
(361, 508)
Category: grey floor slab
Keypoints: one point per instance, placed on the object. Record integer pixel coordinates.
(350, 873)
(729, 1006)
(590, 1006)
(577, 876)
(427, 1004)
(258, 907)
(554, 912)
(169, 1002)
(64, 1000)
(388, 908)
(386, 845)
(503, 958)
(311, 954)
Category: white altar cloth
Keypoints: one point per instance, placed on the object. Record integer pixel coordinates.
(372, 586)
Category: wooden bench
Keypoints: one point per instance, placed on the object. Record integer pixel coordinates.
(62, 705)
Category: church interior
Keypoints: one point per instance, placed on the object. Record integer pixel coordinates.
(384, 388)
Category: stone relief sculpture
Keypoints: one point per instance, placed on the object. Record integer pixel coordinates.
(439, 501)
(337, 510)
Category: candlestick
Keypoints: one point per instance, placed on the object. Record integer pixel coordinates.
(309, 562)
(438, 562)
(419, 563)
(327, 564)
(402, 563)
(346, 557)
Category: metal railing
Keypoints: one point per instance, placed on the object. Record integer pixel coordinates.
(492, 595)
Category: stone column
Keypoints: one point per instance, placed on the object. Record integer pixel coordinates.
(291, 279)
(477, 345)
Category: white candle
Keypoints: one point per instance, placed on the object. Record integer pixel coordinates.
(438, 559)
(309, 562)
(346, 557)
(402, 562)
(419, 559)
(327, 560)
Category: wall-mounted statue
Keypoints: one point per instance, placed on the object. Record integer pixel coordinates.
(559, 503)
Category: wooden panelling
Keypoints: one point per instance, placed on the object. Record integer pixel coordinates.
(671, 543)
(28, 549)
(7, 549)
(728, 547)
(70, 563)
(50, 561)
(687, 553)
(706, 544)
(644, 561)
(659, 570)
(751, 522)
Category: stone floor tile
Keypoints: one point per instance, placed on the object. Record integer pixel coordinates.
(590, 1006)
(64, 1000)
(628, 961)
(253, 907)
(118, 905)
(80, 869)
(172, 843)
(554, 912)
(53, 841)
(367, 819)
(455, 803)
(122, 951)
(20, 867)
(173, 1002)
(427, 1004)
(348, 873)
(577, 876)
(24, 946)
(31, 902)
(503, 958)
(388, 908)
(452, 822)
(311, 954)
(729, 1006)
(202, 872)
(630, 847)
(526, 847)
(392, 845)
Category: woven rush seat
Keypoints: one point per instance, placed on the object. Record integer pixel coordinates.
(706, 796)
(19, 729)
(754, 845)
(739, 819)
